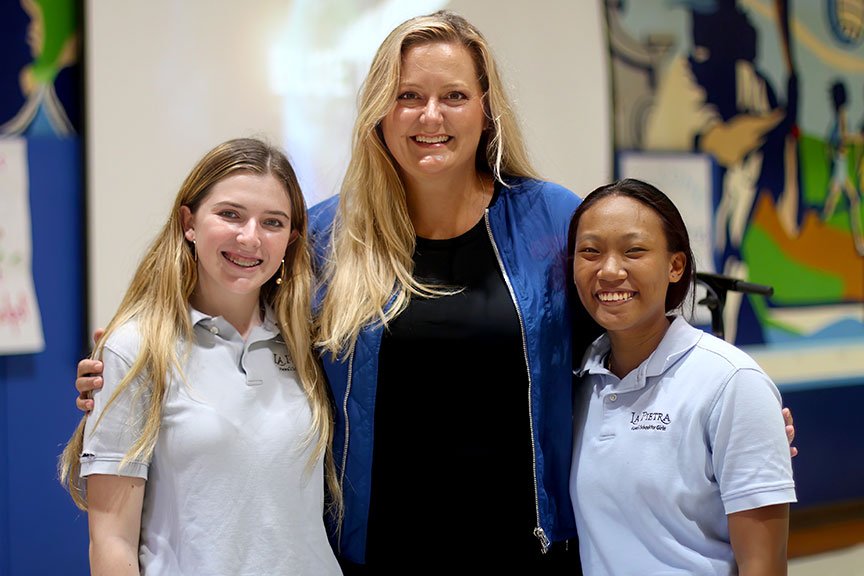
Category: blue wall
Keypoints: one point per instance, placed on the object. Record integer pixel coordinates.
(830, 465)
(41, 531)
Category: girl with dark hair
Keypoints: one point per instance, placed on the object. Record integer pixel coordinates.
(680, 461)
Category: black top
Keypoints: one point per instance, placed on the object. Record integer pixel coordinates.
(452, 472)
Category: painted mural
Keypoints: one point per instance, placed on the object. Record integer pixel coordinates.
(39, 76)
(770, 94)
(40, 160)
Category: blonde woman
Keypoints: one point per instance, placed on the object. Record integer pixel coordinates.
(205, 449)
(444, 324)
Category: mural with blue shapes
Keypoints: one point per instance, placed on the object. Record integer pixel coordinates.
(771, 93)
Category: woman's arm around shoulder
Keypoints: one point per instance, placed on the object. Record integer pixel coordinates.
(114, 506)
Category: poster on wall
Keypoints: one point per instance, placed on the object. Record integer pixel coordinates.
(20, 321)
(771, 94)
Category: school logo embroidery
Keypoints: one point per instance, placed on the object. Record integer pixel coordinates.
(649, 420)
(283, 362)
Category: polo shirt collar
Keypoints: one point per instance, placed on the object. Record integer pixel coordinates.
(595, 357)
(268, 330)
(679, 339)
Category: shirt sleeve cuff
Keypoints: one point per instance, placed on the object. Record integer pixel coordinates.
(112, 468)
(781, 495)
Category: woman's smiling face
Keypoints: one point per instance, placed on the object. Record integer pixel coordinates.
(241, 231)
(622, 265)
(435, 125)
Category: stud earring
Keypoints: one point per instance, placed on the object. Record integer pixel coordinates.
(281, 273)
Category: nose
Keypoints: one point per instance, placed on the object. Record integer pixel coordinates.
(247, 235)
(431, 111)
(612, 268)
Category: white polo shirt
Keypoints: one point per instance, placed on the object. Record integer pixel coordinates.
(229, 490)
(662, 456)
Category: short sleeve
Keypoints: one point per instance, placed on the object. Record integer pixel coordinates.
(111, 431)
(750, 451)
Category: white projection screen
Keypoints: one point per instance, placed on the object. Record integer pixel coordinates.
(166, 80)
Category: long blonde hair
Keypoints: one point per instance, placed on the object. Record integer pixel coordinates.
(158, 299)
(373, 239)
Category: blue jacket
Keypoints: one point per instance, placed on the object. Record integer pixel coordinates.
(528, 226)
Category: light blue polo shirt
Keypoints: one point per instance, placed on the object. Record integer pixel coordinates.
(662, 456)
(230, 489)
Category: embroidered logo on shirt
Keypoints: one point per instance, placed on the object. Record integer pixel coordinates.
(283, 362)
(649, 420)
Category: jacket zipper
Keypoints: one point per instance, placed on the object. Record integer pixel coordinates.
(347, 433)
(539, 533)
